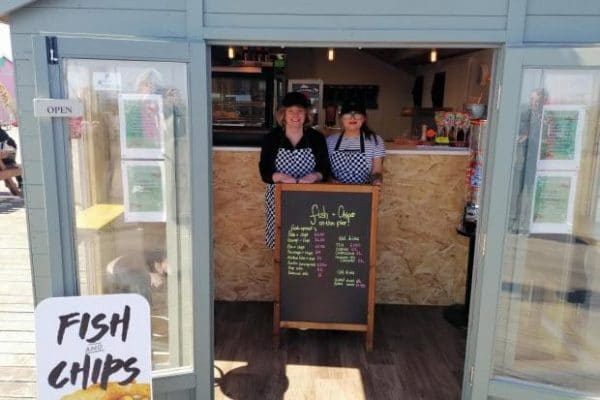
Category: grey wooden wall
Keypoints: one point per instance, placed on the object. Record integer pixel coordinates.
(573, 21)
(395, 23)
(180, 395)
(375, 16)
(380, 21)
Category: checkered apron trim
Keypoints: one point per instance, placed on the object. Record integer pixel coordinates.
(296, 163)
(350, 166)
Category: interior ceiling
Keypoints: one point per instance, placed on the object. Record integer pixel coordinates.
(409, 59)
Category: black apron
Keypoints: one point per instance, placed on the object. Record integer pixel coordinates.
(350, 166)
(296, 163)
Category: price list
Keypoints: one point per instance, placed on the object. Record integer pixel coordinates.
(324, 269)
(559, 132)
(308, 246)
(348, 254)
(301, 259)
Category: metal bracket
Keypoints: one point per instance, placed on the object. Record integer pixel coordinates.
(51, 50)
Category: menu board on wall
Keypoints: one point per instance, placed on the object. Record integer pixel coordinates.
(558, 161)
(553, 202)
(326, 255)
(141, 125)
(559, 129)
(144, 190)
(551, 199)
(560, 137)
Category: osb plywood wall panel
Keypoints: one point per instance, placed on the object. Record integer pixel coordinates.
(243, 264)
(421, 258)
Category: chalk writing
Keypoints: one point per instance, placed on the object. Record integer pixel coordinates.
(324, 253)
(321, 217)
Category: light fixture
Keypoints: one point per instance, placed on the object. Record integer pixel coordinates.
(231, 53)
(433, 55)
(330, 55)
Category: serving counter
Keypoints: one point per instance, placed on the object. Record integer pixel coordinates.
(421, 258)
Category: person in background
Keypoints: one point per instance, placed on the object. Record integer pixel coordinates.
(356, 154)
(136, 272)
(291, 153)
(8, 153)
(525, 161)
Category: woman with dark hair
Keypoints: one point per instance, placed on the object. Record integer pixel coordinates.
(291, 153)
(356, 155)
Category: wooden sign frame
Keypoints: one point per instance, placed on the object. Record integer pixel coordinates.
(332, 188)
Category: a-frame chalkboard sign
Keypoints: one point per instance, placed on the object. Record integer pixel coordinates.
(325, 257)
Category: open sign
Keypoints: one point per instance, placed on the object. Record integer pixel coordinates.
(57, 108)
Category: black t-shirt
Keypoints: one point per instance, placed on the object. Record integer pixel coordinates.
(276, 139)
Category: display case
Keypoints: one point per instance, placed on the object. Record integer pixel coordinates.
(242, 104)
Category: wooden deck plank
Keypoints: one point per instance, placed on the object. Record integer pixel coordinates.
(16, 275)
(15, 288)
(14, 336)
(26, 317)
(17, 360)
(22, 390)
(15, 308)
(17, 348)
(17, 338)
(17, 374)
(6, 299)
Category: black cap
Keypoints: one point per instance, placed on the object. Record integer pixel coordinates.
(295, 99)
(354, 105)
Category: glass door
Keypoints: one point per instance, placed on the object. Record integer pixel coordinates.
(125, 165)
(129, 162)
(538, 302)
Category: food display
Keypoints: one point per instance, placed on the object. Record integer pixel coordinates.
(452, 128)
(113, 391)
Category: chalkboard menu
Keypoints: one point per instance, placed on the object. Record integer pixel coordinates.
(325, 259)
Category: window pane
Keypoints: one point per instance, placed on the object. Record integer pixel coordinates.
(239, 101)
(129, 155)
(549, 315)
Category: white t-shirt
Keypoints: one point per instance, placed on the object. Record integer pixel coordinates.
(373, 148)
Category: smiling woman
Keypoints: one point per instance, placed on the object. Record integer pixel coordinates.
(291, 153)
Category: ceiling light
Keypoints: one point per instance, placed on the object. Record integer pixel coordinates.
(433, 55)
(231, 53)
(330, 54)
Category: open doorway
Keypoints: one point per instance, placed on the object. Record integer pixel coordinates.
(421, 110)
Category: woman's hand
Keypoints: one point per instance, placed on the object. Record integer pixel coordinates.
(376, 179)
(377, 172)
(311, 178)
(278, 177)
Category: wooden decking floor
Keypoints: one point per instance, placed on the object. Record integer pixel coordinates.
(417, 355)
(17, 340)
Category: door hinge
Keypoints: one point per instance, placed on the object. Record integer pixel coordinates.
(484, 238)
(498, 96)
(51, 50)
(471, 375)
